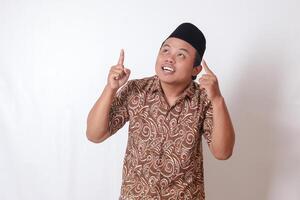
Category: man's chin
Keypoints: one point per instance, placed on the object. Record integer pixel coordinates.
(167, 79)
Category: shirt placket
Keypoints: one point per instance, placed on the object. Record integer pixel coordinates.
(168, 112)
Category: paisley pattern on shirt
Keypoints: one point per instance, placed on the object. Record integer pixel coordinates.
(163, 159)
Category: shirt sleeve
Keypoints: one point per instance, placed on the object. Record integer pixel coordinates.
(208, 123)
(118, 114)
(207, 118)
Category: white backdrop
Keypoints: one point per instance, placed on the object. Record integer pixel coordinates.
(54, 59)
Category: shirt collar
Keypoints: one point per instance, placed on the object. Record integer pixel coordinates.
(156, 85)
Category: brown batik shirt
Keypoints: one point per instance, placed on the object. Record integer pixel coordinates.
(163, 159)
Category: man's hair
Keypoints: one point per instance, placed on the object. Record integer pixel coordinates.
(197, 62)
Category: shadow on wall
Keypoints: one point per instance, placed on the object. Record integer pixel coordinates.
(249, 173)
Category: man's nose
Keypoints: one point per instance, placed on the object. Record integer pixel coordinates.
(170, 59)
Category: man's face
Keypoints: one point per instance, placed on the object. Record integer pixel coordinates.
(174, 63)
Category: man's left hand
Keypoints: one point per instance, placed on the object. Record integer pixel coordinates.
(209, 82)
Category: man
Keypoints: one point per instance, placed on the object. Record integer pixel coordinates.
(167, 113)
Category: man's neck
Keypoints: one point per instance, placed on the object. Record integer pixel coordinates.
(172, 92)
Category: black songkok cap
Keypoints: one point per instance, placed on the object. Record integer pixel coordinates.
(192, 35)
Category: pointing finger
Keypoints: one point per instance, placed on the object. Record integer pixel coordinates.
(121, 58)
(207, 70)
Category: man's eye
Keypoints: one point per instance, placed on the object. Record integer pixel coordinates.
(165, 50)
(181, 55)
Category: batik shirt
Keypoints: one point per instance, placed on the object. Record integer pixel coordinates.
(163, 159)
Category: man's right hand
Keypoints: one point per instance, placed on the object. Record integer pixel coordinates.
(118, 74)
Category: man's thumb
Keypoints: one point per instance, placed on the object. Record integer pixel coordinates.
(127, 71)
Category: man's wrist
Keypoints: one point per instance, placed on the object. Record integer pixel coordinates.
(111, 90)
(217, 100)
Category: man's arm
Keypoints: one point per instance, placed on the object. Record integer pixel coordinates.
(223, 136)
(98, 118)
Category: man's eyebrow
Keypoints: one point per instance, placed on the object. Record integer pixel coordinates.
(166, 45)
(183, 49)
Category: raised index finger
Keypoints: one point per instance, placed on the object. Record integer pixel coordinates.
(207, 70)
(121, 58)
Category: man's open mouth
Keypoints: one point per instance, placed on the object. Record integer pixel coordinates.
(168, 69)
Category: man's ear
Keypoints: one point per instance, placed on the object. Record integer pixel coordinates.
(197, 70)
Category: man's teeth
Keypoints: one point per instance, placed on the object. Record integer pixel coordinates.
(168, 69)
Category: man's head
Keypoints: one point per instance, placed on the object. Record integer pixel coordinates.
(192, 35)
(179, 58)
